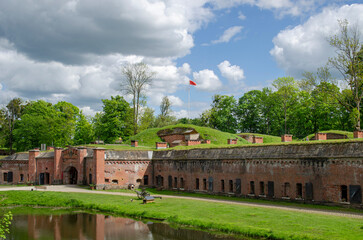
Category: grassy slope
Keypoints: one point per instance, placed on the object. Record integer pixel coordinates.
(266, 138)
(2, 156)
(349, 134)
(229, 218)
(148, 137)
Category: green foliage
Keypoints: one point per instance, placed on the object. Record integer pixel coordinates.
(5, 222)
(84, 133)
(115, 121)
(42, 122)
(222, 115)
(147, 119)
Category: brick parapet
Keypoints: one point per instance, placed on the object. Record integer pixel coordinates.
(32, 165)
(358, 134)
(320, 136)
(193, 142)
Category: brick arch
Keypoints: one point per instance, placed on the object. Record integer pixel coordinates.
(70, 175)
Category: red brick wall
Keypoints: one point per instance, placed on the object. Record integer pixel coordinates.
(358, 134)
(232, 141)
(193, 142)
(99, 166)
(286, 138)
(320, 136)
(171, 138)
(257, 139)
(127, 172)
(17, 168)
(45, 165)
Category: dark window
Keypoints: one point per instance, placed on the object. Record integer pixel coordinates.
(355, 194)
(252, 187)
(344, 193)
(107, 180)
(21, 177)
(115, 181)
(298, 190)
(210, 184)
(262, 188)
(238, 186)
(230, 185)
(162, 181)
(181, 182)
(309, 191)
(222, 185)
(286, 189)
(197, 183)
(146, 180)
(170, 181)
(10, 176)
(175, 182)
(5, 176)
(90, 178)
(271, 189)
(204, 184)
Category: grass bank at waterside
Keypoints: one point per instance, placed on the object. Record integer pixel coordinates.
(227, 218)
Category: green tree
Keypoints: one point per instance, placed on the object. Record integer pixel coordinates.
(286, 91)
(147, 119)
(222, 115)
(165, 118)
(84, 133)
(115, 121)
(136, 78)
(348, 61)
(10, 115)
(248, 112)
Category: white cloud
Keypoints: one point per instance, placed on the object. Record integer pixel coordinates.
(232, 72)
(175, 101)
(228, 34)
(305, 47)
(88, 111)
(206, 80)
(241, 16)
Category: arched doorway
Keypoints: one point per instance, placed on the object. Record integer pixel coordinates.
(72, 175)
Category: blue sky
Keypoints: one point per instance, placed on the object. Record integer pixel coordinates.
(74, 50)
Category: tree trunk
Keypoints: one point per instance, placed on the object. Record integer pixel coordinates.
(358, 117)
(134, 102)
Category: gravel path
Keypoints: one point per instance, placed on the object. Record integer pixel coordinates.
(73, 188)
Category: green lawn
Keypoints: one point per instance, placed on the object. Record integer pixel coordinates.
(228, 218)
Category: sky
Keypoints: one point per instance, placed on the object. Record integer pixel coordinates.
(74, 50)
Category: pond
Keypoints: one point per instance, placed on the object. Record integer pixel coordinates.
(97, 226)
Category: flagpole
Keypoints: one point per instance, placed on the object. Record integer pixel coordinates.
(188, 101)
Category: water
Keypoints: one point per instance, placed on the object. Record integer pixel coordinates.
(86, 226)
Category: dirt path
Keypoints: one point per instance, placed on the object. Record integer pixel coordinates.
(73, 188)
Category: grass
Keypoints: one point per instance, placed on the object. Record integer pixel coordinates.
(149, 137)
(153, 191)
(227, 218)
(2, 156)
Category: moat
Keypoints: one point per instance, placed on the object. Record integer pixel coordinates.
(86, 226)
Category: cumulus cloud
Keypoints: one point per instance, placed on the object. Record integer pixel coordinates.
(241, 16)
(228, 34)
(206, 80)
(67, 31)
(232, 72)
(305, 47)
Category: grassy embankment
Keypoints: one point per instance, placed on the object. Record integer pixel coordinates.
(149, 137)
(227, 218)
(349, 134)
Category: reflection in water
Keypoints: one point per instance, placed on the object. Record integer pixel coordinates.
(96, 226)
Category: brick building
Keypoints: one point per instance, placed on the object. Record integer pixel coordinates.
(319, 172)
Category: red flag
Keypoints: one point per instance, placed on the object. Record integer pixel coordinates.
(192, 83)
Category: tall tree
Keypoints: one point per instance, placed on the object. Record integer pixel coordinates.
(84, 133)
(249, 112)
(222, 115)
(147, 119)
(348, 61)
(286, 89)
(165, 118)
(11, 114)
(136, 78)
(115, 120)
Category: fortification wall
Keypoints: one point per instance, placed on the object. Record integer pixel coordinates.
(306, 172)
